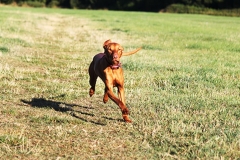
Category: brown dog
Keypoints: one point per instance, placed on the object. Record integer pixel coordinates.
(107, 66)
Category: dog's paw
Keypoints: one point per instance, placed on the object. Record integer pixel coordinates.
(105, 98)
(125, 111)
(126, 119)
(91, 92)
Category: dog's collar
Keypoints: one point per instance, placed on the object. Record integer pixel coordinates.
(116, 66)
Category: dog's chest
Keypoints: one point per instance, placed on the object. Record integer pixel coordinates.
(117, 76)
(114, 75)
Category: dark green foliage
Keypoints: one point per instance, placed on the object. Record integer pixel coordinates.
(36, 4)
(7, 1)
(180, 8)
(136, 5)
(52, 3)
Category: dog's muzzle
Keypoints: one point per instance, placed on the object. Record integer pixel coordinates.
(116, 66)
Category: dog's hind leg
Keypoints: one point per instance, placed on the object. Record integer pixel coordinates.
(105, 97)
(93, 79)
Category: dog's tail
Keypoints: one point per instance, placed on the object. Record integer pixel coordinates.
(131, 52)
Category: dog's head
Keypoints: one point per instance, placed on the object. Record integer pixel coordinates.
(114, 51)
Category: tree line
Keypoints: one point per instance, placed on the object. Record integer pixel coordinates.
(128, 5)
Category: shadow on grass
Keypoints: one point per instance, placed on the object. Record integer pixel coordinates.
(44, 103)
(65, 107)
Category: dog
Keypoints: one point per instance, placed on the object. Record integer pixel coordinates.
(107, 66)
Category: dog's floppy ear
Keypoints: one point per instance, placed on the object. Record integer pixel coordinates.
(105, 44)
(121, 48)
(109, 48)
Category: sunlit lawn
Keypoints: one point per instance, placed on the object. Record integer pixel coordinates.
(182, 88)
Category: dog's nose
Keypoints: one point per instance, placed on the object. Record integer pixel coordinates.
(115, 56)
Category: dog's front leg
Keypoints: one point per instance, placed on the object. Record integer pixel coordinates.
(121, 94)
(122, 106)
(119, 82)
(122, 99)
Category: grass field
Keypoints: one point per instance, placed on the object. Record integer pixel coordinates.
(182, 88)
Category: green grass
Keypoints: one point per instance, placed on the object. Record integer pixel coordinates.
(182, 88)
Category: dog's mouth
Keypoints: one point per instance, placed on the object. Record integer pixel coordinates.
(115, 62)
(116, 66)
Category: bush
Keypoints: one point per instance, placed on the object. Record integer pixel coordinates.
(180, 8)
(35, 4)
(53, 4)
(79, 4)
(6, 1)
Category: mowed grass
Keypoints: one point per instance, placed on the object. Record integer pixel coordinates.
(182, 88)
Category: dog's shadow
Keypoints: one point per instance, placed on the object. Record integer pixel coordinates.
(81, 113)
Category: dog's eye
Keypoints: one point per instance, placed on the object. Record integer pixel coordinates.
(109, 51)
